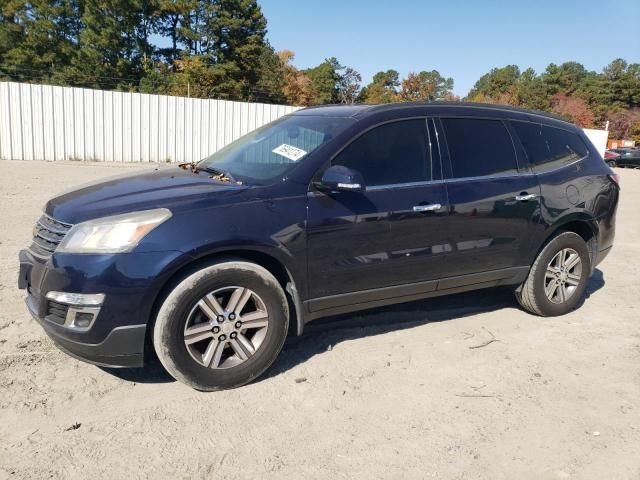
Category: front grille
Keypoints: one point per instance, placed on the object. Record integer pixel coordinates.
(47, 235)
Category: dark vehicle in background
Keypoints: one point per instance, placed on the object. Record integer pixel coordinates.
(627, 157)
(325, 211)
(610, 157)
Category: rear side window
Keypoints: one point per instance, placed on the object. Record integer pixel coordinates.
(549, 147)
(392, 153)
(479, 147)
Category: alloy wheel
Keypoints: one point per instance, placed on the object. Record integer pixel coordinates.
(226, 327)
(563, 275)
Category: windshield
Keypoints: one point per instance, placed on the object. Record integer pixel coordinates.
(270, 152)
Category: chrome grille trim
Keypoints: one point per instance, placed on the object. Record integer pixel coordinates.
(47, 235)
(51, 225)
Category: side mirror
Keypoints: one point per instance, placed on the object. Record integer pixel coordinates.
(342, 179)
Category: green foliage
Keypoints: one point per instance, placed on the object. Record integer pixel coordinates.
(109, 54)
(37, 37)
(234, 40)
(218, 49)
(175, 21)
(271, 77)
(584, 97)
(498, 82)
(324, 80)
(382, 89)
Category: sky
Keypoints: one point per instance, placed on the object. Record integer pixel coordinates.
(460, 39)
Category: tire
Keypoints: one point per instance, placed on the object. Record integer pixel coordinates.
(200, 300)
(612, 163)
(532, 295)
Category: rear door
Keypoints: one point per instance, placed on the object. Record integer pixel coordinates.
(377, 239)
(494, 203)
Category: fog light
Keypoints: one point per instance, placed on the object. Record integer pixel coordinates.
(83, 319)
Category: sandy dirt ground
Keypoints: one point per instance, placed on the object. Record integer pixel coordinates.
(391, 393)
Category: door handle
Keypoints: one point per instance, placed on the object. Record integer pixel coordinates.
(525, 197)
(433, 207)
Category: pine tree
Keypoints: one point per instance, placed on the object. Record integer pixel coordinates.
(272, 77)
(110, 52)
(233, 39)
(175, 22)
(325, 79)
(37, 38)
(382, 89)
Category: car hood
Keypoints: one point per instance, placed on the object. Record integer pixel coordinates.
(172, 188)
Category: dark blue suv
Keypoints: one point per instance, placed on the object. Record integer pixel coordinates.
(328, 210)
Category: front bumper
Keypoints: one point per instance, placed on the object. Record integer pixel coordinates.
(130, 283)
(123, 347)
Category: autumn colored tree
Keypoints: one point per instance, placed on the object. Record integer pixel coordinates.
(425, 86)
(573, 109)
(297, 87)
(625, 124)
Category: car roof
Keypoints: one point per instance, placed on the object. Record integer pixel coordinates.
(333, 110)
(361, 111)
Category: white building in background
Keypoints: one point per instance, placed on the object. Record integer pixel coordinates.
(598, 138)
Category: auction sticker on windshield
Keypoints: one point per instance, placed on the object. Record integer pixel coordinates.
(289, 151)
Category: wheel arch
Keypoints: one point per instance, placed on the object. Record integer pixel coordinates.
(579, 223)
(266, 260)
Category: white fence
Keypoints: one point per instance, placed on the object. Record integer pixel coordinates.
(43, 122)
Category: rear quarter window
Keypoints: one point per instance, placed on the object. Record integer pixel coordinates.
(548, 148)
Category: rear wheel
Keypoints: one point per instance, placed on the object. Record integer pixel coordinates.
(558, 278)
(222, 326)
(612, 163)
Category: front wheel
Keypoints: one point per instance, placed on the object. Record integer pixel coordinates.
(558, 278)
(222, 326)
(612, 163)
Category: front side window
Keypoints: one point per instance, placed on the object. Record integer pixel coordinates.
(479, 147)
(393, 153)
(549, 147)
(270, 152)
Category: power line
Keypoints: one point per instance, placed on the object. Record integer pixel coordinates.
(66, 79)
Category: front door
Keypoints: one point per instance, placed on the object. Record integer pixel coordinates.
(388, 236)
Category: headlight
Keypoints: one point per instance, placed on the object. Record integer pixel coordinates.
(116, 234)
